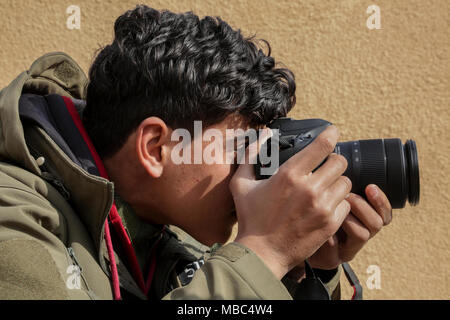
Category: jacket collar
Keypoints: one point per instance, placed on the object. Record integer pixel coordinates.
(90, 196)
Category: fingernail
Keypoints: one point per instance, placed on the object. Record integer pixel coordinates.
(348, 195)
(373, 191)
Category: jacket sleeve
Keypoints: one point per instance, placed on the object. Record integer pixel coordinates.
(233, 272)
(32, 257)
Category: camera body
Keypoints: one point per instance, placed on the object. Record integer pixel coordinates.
(387, 163)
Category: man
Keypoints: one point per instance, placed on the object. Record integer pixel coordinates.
(93, 205)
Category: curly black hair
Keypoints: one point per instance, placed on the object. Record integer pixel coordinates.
(180, 69)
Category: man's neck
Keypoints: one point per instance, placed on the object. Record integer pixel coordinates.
(142, 234)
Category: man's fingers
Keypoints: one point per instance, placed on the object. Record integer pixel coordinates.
(356, 237)
(330, 171)
(365, 213)
(380, 202)
(339, 190)
(313, 155)
(341, 212)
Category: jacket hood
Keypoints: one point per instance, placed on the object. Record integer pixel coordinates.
(50, 77)
(52, 73)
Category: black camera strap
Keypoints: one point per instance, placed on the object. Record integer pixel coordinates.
(311, 287)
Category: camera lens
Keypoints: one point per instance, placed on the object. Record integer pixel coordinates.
(413, 164)
(388, 163)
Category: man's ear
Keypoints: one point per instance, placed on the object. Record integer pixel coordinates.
(151, 137)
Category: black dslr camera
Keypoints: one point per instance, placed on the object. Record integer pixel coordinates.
(388, 163)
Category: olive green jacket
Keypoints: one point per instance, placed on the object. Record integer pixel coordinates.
(52, 218)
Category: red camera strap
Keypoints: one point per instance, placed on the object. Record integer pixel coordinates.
(116, 222)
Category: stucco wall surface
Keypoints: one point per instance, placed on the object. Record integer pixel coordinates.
(388, 82)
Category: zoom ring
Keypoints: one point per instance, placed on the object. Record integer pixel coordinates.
(373, 164)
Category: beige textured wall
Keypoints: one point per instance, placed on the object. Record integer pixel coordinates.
(392, 82)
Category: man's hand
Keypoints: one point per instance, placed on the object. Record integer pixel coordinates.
(287, 217)
(365, 220)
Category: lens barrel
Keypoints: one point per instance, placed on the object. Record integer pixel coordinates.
(387, 163)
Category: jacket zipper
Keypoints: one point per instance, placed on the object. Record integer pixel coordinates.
(74, 258)
(88, 290)
(62, 189)
(57, 184)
